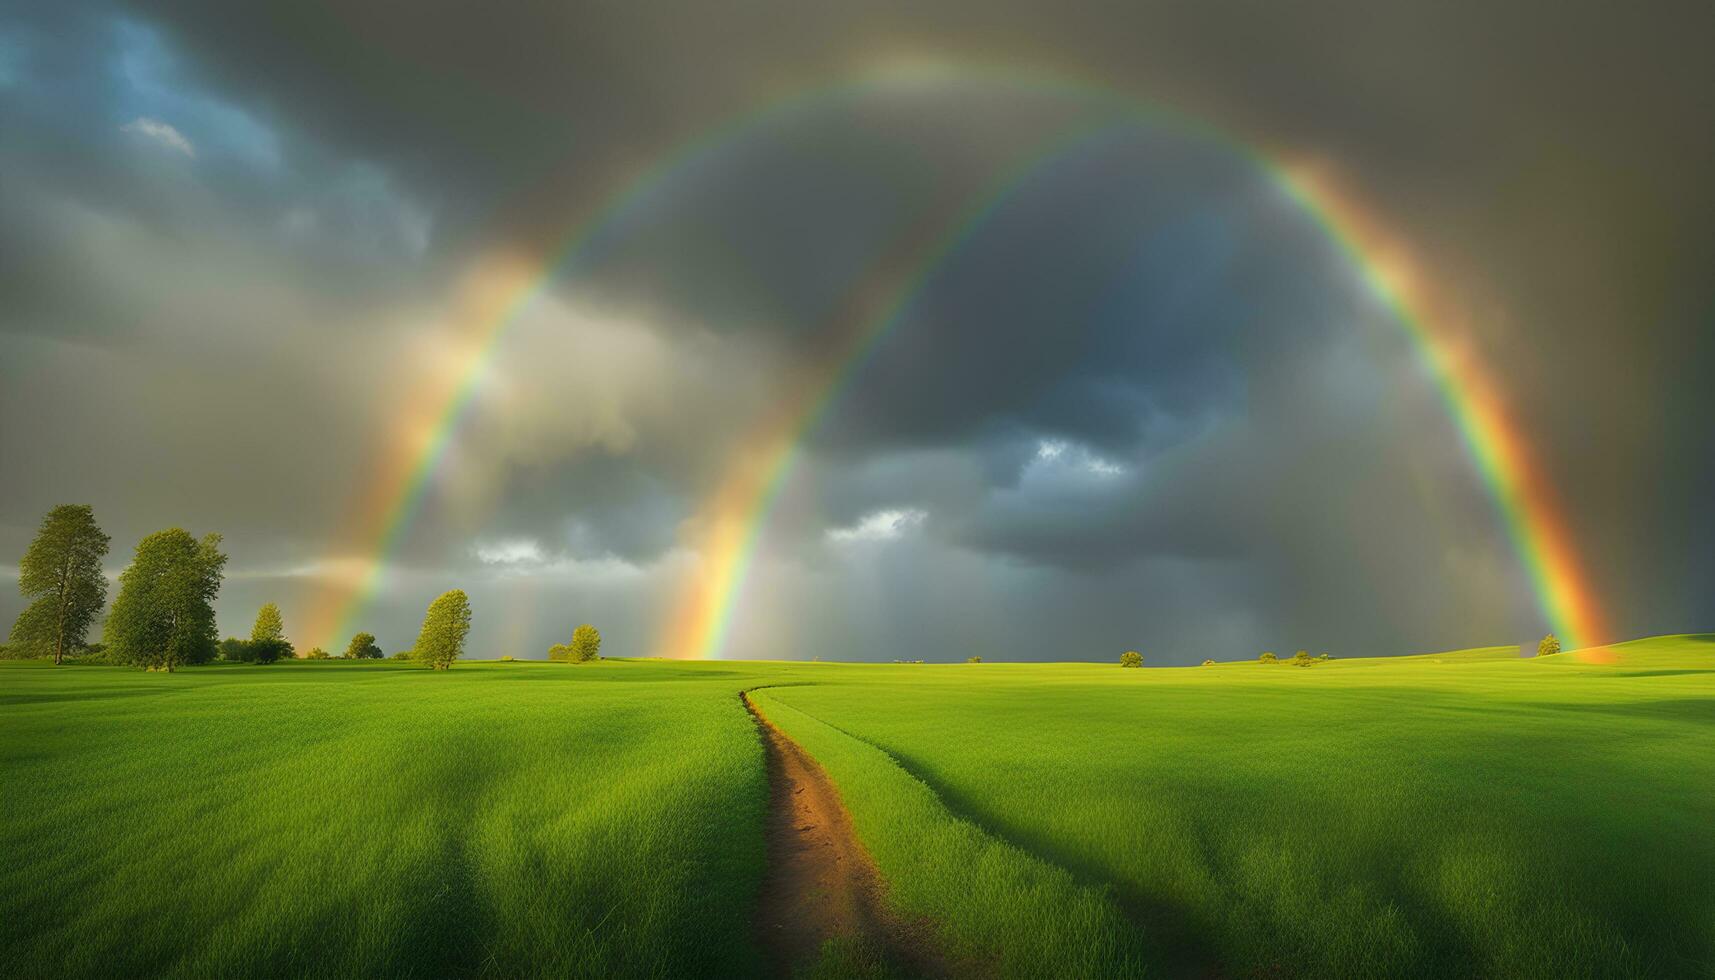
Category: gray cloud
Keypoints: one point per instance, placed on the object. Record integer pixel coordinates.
(236, 240)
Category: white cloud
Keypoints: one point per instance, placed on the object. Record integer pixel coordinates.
(513, 551)
(162, 133)
(882, 525)
(1070, 455)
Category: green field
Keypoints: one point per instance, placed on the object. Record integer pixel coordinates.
(1470, 814)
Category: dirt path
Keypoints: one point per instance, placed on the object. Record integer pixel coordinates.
(820, 882)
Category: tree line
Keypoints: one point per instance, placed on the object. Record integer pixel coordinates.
(163, 617)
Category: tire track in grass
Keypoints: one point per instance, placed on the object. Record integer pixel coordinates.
(822, 905)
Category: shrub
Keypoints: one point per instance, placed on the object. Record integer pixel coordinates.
(1131, 658)
(1208, 663)
(1549, 646)
(973, 660)
(1302, 659)
(405, 655)
(585, 646)
(363, 647)
(316, 653)
(1323, 656)
(506, 658)
(236, 650)
(1267, 657)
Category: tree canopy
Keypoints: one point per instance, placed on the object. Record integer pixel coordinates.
(363, 647)
(1131, 658)
(268, 641)
(1549, 646)
(60, 574)
(164, 616)
(445, 627)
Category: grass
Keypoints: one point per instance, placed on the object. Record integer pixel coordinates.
(1442, 815)
(1476, 816)
(356, 819)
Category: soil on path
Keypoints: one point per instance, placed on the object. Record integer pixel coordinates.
(821, 883)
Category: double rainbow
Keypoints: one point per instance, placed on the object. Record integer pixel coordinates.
(730, 525)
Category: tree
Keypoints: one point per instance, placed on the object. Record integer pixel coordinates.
(973, 660)
(234, 649)
(268, 641)
(445, 627)
(1209, 663)
(164, 616)
(1301, 658)
(1131, 658)
(1549, 646)
(61, 576)
(363, 647)
(585, 646)
(316, 653)
(1267, 657)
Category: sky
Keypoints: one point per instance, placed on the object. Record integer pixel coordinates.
(866, 331)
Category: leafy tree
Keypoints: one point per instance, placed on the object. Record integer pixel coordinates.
(164, 616)
(268, 641)
(585, 646)
(363, 647)
(1549, 646)
(404, 655)
(61, 574)
(316, 653)
(1131, 658)
(444, 630)
(973, 660)
(232, 648)
(1301, 659)
(1209, 663)
(1267, 657)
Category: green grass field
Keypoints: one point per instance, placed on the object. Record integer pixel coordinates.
(1453, 814)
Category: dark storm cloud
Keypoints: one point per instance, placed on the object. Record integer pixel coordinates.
(1144, 377)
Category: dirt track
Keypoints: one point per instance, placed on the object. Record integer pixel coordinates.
(820, 882)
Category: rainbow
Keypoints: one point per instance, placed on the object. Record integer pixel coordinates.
(729, 527)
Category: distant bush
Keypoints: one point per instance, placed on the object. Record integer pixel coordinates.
(1549, 646)
(1131, 658)
(316, 653)
(1323, 656)
(404, 655)
(236, 650)
(1208, 663)
(363, 647)
(585, 646)
(1267, 657)
(506, 658)
(1302, 659)
(973, 660)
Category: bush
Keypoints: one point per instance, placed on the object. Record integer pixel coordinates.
(316, 653)
(1324, 656)
(1549, 646)
(1208, 663)
(405, 655)
(585, 646)
(1267, 657)
(1131, 658)
(1302, 659)
(363, 647)
(973, 660)
(236, 650)
(506, 658)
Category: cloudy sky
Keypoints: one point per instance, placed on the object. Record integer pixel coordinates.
(1004, 308)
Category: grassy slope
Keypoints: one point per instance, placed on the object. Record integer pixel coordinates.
(364, 819)
(1477, 815)
(1499, 816)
